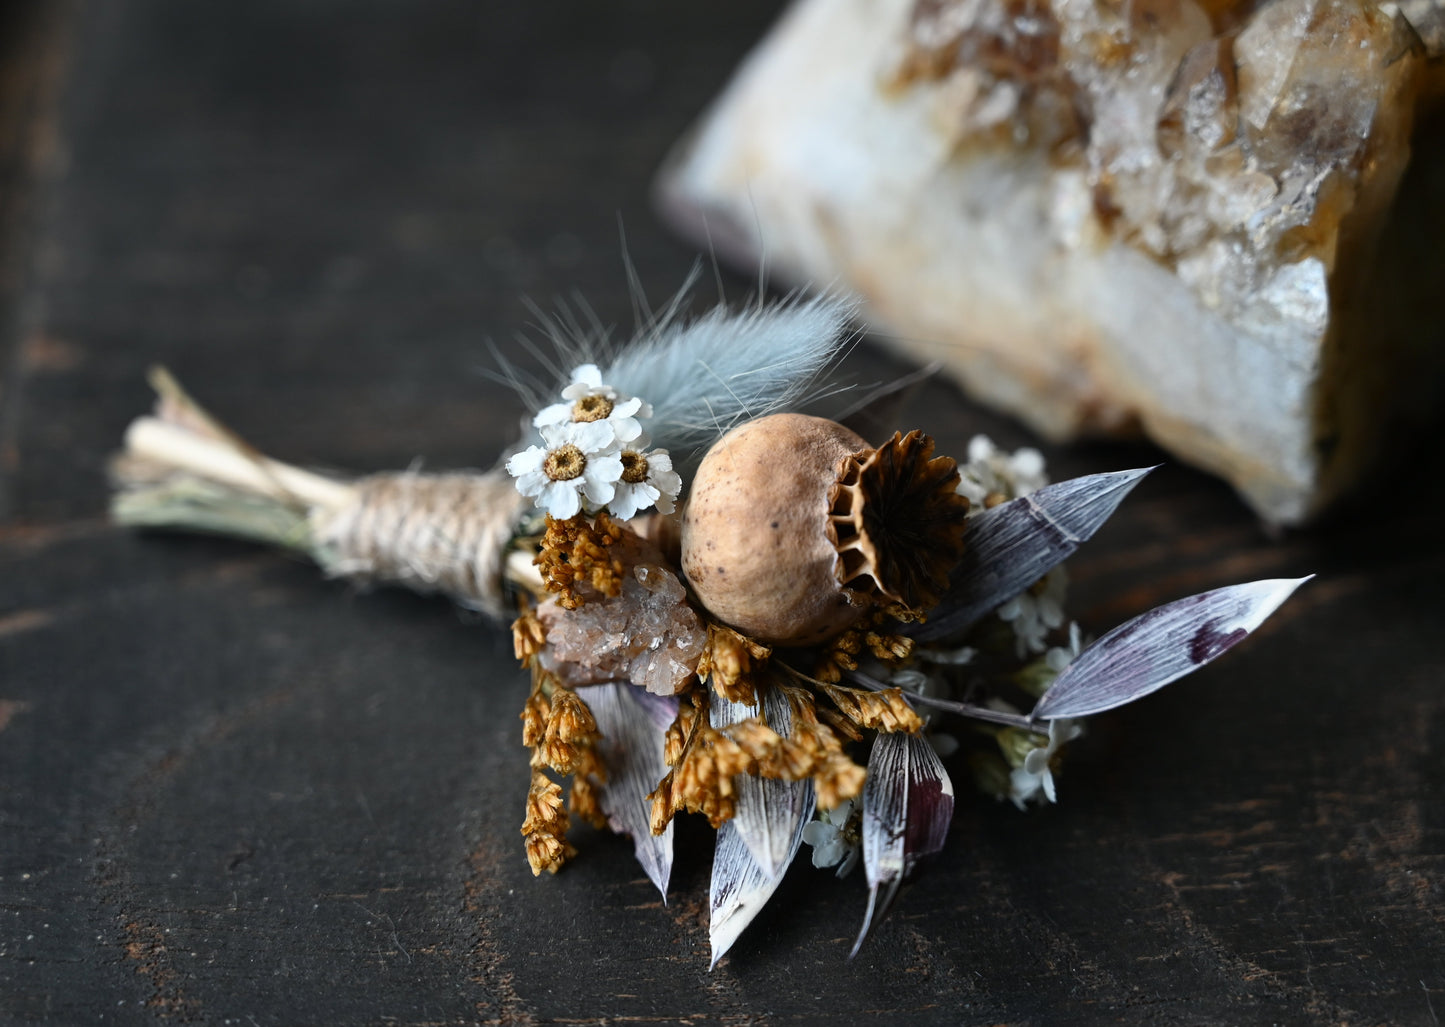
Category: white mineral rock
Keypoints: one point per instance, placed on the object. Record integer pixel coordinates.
(1106, 215)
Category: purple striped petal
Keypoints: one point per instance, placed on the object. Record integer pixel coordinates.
(1018, 542)
(740, 887)
(769, 812)
(907, 806)
(631, 748)
(1147, 653)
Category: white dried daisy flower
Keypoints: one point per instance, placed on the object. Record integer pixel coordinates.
(589, 400)
(577, 460)
(1060, 656)
(833, 843)
(1035, 777)
(991, 471)
(1036, 612)
(955, 656)
(647, 479)
(1039, 676)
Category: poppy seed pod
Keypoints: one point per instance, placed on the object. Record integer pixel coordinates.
(796, 529)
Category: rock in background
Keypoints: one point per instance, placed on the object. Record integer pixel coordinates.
(1188, 218)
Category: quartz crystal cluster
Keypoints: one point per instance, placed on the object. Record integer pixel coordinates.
(1176, 216)
(646, 633)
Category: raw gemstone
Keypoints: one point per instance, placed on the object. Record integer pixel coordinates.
(646, 634)
(1187, 217)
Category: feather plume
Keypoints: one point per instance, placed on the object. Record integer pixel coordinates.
(702, 376)
(706, 376)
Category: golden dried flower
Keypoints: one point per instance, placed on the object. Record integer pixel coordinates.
(545, 826)
(838, 779)
(793, 760)
(529, 636)
(728, 661)
(841, 654)
(571, 729)
(584, 800)
(547, 852)
(700, 786)
(703, 780)
(891, 649)
(663, 807)
(813, 750)
(755, 738)
(534, 719)
(678, 734)
(574, 551)
(705, 761)
(544, 804)
(730, 757)
(882, 711)
(571, 720)
(538, 708)
(844, 725)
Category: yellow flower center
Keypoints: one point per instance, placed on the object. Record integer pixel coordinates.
(564, 463)
(592, 408)
(634, 467)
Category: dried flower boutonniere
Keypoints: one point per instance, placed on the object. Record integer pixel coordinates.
(731, 608)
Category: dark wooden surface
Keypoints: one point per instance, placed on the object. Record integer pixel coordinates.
(232, 792)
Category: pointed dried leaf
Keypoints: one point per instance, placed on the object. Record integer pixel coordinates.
(768, 812)
(907, 806)
(1018, 542)
(740, 887)
(631, 749)
(1155, 648)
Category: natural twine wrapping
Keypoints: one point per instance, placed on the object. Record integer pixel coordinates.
(430, 532)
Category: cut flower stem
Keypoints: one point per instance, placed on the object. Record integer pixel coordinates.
(963, 709)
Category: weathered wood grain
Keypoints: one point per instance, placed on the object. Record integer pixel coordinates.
(233, 792)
